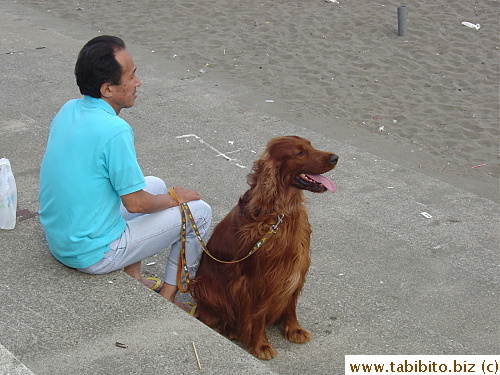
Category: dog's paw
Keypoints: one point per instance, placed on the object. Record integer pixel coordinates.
(264, 351)
(298, 335)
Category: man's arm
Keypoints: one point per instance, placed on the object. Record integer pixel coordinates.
(145, 203)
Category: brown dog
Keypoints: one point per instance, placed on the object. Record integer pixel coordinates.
(240, 299)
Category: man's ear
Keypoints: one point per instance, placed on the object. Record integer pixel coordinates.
(106, 91)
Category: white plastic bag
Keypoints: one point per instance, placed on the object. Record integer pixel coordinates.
(8, 196)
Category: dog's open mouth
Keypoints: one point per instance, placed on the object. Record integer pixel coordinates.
(315, 183)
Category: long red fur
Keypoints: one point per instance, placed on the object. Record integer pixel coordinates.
(241, 299)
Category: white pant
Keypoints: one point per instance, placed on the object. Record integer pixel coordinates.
(147, 235)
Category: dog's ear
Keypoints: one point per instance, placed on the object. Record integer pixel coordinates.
(264, 180)
(265, 173)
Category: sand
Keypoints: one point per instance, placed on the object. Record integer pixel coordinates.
(429, 100)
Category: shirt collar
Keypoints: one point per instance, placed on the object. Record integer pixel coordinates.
(98, 103)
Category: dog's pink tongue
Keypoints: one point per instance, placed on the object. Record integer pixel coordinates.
(323, 180)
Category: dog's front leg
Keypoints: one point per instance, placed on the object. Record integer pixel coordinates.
(259, 345)
(291, 327)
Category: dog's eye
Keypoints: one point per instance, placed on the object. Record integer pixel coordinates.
(301, 153)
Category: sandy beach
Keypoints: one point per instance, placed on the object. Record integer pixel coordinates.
(429, 100)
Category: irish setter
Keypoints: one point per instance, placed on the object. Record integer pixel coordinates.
(240, 299)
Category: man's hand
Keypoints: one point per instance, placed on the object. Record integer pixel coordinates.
(186, 195)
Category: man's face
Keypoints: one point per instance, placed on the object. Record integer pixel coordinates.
(123, 95)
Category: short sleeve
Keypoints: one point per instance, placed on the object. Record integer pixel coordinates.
(121, 166)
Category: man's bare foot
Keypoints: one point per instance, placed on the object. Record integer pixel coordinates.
(189, 308)
(169, 292)
(134, 270)
(152, 283)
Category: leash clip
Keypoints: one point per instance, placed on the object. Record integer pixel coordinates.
(280, 220)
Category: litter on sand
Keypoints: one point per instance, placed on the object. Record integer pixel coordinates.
(426, 215)
(476, 26)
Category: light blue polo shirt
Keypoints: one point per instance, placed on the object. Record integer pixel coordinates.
(90, 161)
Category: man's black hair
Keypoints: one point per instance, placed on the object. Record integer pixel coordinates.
(96, 64)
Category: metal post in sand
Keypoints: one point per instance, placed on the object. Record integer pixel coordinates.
(402, 20)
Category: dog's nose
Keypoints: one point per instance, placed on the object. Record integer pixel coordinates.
(334, 159)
